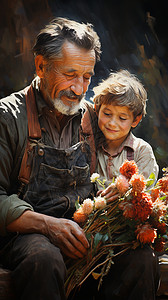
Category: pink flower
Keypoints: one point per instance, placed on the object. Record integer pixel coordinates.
(163, 183)
(145, 233)
(138, 183)
(100, 202)
(87, 206)
(122, 184)
(154, 194)
(159, 208)
(128, 168)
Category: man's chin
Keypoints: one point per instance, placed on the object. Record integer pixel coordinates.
(66, 109)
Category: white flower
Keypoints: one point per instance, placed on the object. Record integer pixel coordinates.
(94, 177)
(100, 202)
(87, 206)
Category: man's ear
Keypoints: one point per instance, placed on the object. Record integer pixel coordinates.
(39, 63)
(136, 121)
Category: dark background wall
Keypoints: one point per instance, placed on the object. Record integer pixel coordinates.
(133, 36)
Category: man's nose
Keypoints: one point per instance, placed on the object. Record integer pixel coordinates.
(78, 86)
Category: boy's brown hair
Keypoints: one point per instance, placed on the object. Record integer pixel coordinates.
(123, 89)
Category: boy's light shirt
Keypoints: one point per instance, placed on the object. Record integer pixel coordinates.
(108, 166)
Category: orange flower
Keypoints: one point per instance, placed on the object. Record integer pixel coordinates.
(128, 168)
(145, 233)
(138, 183)
(122, 184)
(163, 183)
(79, 216)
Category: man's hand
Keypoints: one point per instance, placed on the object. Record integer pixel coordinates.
(63, 233)
(68, 236)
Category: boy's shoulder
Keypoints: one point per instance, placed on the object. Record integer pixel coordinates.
(139, 145)
(138, 141)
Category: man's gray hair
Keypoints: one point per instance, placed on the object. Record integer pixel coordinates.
(50, 40)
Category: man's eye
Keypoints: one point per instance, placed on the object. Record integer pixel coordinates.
(87, 77)
(69, 75)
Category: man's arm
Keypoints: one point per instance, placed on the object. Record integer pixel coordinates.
(63, 233)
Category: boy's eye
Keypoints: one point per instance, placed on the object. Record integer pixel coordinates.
(123, 119)
(106, 114)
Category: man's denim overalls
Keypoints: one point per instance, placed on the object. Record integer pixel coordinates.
(58, 177)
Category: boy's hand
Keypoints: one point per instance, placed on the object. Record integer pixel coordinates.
(109, 193)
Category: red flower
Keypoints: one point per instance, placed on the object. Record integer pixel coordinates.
(138, 183)
(161, 228)
(128, 168)
(128, 209)
(159, 244)
(163, 183)
(142, 206)
(145, 233)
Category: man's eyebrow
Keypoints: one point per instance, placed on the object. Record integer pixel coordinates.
(74, 70)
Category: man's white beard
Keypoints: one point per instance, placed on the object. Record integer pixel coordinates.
(66, 109)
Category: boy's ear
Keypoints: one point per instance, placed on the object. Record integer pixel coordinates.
(136, 121)
(39, 63)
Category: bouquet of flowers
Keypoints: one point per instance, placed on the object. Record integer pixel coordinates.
(137, 217)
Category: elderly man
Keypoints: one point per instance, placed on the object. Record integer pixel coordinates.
(37, 124)
(44, 169)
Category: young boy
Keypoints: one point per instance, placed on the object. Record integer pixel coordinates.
(119, 105)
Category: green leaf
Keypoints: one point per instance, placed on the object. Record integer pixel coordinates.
(97, 238)
(88, 236)
(150, 180)
(77, 205)
(105, 238)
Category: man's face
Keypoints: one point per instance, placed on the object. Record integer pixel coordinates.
(67, 80)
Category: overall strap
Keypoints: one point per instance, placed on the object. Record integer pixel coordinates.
(34, 132)
(88, 129)
(130, 153)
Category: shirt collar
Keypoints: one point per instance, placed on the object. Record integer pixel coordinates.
(128, 143)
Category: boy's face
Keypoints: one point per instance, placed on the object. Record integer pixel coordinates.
(116, 121)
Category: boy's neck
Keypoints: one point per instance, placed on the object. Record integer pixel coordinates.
(112, 147)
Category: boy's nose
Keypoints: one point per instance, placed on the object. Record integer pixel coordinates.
(112, 122)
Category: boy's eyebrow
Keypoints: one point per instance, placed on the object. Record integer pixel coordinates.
(122, 113)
